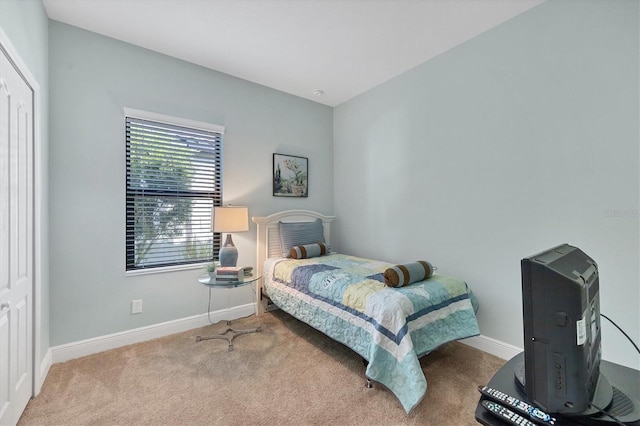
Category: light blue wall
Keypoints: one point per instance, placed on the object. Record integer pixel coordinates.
(95, 78)
(520, 139)
(26, 25)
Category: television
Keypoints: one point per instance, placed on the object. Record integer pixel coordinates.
(561, 371)
(562, 342)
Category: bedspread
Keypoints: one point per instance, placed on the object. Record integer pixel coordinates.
(345, 297)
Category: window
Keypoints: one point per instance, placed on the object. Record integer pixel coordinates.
(174, 179)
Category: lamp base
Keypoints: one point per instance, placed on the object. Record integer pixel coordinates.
(228, 254)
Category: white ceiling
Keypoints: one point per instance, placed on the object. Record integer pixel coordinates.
(342, 47)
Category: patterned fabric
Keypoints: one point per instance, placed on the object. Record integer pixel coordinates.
(345, 297)
(307, 251)
(300, 233)
(409, 273)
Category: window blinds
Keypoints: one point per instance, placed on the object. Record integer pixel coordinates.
(174, 179)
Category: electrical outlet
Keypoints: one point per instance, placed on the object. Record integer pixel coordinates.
(136, 306)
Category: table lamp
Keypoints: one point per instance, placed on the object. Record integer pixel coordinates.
(230, 219)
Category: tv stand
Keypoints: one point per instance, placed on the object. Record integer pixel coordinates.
(618, 391)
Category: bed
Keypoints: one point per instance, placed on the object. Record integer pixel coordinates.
(346, 298)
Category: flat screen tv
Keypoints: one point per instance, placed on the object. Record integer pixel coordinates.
(562, 349)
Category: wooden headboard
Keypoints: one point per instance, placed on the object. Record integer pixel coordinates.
(268, 238)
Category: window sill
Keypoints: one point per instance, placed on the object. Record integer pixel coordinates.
(164, 269)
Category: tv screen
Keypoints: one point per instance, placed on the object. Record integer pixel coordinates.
(561, 313)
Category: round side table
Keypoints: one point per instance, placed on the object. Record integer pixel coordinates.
(212, 283)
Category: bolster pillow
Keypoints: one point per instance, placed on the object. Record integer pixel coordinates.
(400, 275)
(307, 251)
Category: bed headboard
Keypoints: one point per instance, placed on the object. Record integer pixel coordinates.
(268, 238)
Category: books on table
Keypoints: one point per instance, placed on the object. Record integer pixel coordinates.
(229, 273)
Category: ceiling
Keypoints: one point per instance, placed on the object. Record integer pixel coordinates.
(328, 51)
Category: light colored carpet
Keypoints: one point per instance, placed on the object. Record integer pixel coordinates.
(288, 374)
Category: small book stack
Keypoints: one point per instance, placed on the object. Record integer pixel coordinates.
(229, 273)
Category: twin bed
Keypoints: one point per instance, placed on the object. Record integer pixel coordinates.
(346, 298)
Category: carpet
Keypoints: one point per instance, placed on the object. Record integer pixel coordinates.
(287, 374)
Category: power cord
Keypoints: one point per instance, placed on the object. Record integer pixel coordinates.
(606, 413)
(602, 411)
(621, 331)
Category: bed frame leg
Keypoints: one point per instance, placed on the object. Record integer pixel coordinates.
(369, 383)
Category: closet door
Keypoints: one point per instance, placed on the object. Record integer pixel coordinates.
(16, 241)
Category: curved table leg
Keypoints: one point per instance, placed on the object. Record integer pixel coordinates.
(229, 338)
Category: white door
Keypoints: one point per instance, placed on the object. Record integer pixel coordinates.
(16, 241)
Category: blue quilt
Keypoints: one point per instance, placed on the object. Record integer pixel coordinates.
(345, 298)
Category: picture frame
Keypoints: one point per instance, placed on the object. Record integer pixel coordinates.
(290, 176)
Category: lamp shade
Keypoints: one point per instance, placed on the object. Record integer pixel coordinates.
(230, 219)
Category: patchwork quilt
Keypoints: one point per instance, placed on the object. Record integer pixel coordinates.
(345, 298)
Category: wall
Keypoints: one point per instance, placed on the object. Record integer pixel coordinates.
(26, 25)
(93, 79)
(520, 139)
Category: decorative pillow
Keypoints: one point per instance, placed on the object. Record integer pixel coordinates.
(400, 275)
(300, 233)
(307, 251)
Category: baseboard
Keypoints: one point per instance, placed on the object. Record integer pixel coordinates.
(43, 371)
(492, 346)
(94, 345)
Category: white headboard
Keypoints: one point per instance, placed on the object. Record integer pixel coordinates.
(268, 238)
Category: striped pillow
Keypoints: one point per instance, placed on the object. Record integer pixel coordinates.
(300, 233)
(307, 251)
(400, 275)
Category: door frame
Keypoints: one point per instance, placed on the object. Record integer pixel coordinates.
(41, 364)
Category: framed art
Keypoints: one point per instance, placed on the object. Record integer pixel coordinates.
(290, 176)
